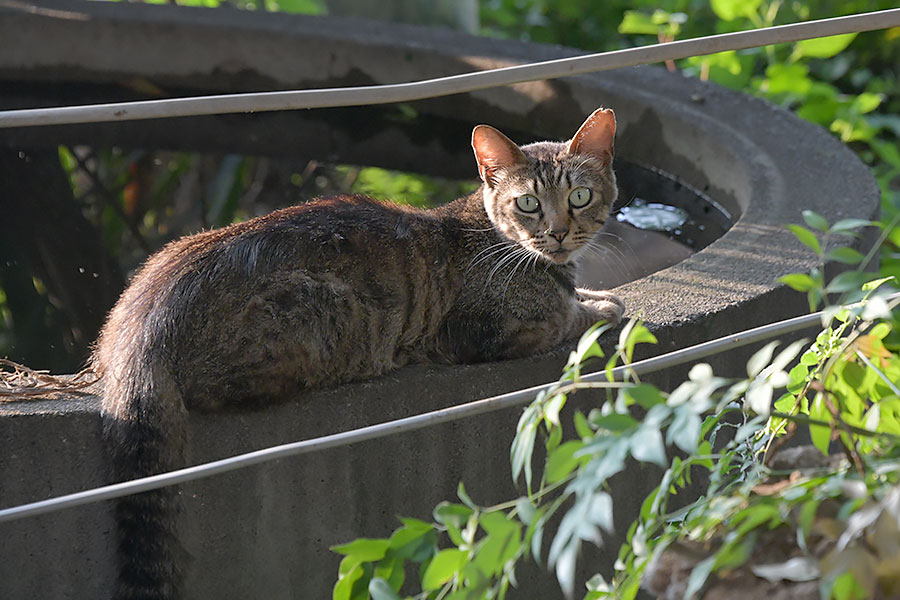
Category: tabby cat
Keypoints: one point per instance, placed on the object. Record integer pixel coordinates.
(343, 289)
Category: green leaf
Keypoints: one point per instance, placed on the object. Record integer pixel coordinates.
(381, 590)
(759, 397)
(685, 429)
(347, 564)
(875, 284)
(784, 78)
(391, 571)
(521, 452)
(503, 542)
(562, 461)
(447, 513)
(866, 102)
(760, 359)
(847, 281)
(552, 408)
(647, 446)
(806, 237)
(412, 540)
(638, 334)
(364, 549)
(698, 577)
(849, 225)
(638, 23)
(798, 281)
(553, 439)
(461, 493)
(824, 47)
(582, 428)
(525, 510)
(614, 422)
(306, 7)
(880, 331)
(807, 515)
(820, 436)
(848, 256)
(646, 395)
(587, 344)
(443, 567)
(344, 586)
(887, 152)
(498, 523)
(797, 377)
(815, 220)
(728, 10)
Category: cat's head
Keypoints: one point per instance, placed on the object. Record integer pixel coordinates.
(549, 197)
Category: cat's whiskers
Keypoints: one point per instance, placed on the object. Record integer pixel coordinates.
(611, 256)
(507, 254)
(611, 262)
(506, 259)
(486, 253)
(524, 260)
(606, 249)
(621, 240)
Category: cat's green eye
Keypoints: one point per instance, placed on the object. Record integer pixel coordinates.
(580, 197)
(528, 203)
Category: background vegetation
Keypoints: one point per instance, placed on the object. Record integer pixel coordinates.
(840, 516)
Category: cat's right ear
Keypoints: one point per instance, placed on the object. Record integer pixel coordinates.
(494, 151)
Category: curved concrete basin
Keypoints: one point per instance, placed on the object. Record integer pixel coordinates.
(265, 531)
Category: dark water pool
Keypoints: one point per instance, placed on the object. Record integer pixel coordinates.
(659, 221)
(654, 200)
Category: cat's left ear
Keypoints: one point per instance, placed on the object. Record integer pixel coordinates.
(596, 136)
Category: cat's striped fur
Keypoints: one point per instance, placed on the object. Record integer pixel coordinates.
(337, 290)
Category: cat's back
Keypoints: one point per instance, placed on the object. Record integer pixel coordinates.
(299, 286)
(326, 235)
(340, 229)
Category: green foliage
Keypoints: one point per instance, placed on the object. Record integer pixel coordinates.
(405, 188)
(840, 388)
(843, 515)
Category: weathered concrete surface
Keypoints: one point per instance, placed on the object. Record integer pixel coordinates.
(264, 532)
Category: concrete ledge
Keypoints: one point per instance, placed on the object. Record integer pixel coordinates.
(265, 531)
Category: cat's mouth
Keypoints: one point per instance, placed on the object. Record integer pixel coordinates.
(560, 255)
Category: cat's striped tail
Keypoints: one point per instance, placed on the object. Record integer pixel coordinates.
(144, 429)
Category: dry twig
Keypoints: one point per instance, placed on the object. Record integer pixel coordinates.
(19, 381)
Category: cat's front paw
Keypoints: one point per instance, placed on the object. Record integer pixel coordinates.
(599, 295)
(604, 305)
(611, 312)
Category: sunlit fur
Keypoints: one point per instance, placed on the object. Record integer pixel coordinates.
(551, 173)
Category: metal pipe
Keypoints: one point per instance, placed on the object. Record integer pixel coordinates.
(443, 86)
(404, 425)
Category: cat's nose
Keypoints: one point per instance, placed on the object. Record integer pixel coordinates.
(558, 234)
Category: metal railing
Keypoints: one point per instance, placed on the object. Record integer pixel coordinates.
(303, 99)
(355, 436)
(444, 86)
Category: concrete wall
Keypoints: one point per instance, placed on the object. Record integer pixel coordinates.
(264, 532)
